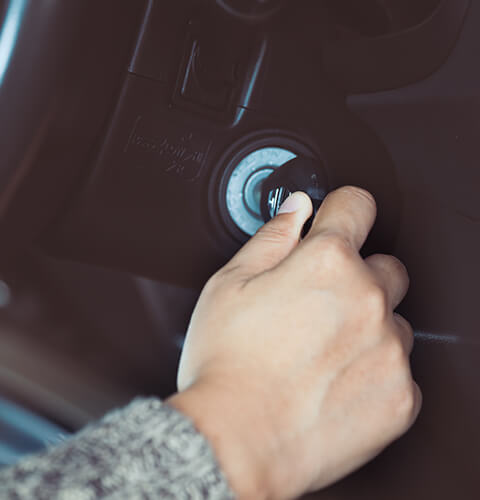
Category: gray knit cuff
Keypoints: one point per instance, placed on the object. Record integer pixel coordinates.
(147, 450)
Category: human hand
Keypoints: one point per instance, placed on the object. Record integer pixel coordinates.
(295, 366)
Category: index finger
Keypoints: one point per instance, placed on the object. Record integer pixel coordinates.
(349, 212)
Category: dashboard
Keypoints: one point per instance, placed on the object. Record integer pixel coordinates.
(136, 136)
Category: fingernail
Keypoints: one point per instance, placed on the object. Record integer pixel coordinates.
(292, 204)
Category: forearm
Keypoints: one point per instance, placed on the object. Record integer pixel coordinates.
(225, 420)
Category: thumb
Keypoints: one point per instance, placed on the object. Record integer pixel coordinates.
(276, 239)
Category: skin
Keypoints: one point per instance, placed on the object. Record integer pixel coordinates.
(295, 366)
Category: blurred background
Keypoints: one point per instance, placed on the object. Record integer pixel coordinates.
(76, 341)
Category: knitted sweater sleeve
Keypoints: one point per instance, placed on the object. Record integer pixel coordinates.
(147, 450)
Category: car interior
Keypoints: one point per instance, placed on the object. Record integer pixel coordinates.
(143, 142)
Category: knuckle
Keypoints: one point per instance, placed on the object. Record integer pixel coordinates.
(404, 323)
(395, 354)
(333, 249)
(397, 263)
(400, 269)
(405, 333)
(375, 300)
(405, 405)
(390, 262)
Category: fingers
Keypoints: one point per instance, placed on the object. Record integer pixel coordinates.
(276, 239)
(348, 211)
(418, 401)
(405, 333)
(391, 275)
(393, 278)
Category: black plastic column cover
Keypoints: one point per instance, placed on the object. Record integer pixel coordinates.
(60, 71)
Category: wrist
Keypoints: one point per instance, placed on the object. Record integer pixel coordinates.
(241, 455)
